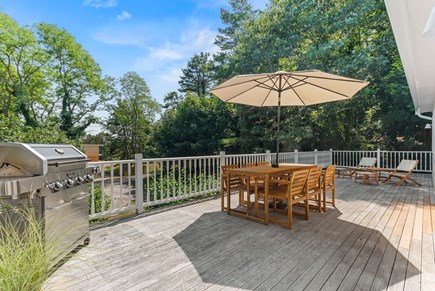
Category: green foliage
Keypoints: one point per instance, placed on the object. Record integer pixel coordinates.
(348, 38)
(22, 81)
(197, 76)
(131, 119)
(24, 256)
(98, 199)
(176, 182)
(13, 130)
(75, 78)
(195, 127)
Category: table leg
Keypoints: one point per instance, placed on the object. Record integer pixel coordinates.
(249, 194)
(266, 200)
(228, 194)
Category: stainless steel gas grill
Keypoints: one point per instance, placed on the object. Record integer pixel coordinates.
(52, 181)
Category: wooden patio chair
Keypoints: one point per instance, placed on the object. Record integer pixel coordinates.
(237, 183)
(403, 172)
(328, 184)
(364, 163)
(314, 187)
(293, 191)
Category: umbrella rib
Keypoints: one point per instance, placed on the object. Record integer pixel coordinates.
(246, 89)
(323, 88)
(328, 78)
(239, 83)
(292, 87)
(271, 88)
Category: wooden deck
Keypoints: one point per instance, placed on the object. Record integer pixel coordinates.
(377, 238)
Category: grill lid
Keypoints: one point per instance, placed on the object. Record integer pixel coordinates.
(34, 159)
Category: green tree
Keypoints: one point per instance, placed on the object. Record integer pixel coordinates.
(198, 126)
(197, 76)
(171, 100)
(349, 38)
(131, 118)
(76, 79)
(22, 74)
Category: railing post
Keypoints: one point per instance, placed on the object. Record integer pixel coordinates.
(138, 181)
(268, 156)
(222, 157)
(378, 158)
(331, 157)
(315, 156)
(296, 157)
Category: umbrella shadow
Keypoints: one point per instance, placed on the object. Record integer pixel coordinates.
(230, 251)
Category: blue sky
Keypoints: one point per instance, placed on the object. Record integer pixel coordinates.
(155, 38)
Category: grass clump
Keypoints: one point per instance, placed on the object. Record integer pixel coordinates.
(24, 263)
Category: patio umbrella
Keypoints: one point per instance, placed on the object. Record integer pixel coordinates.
(299, 88)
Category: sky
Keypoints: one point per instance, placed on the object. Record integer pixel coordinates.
(155, 38)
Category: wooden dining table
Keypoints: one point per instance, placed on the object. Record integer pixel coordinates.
(266, 172)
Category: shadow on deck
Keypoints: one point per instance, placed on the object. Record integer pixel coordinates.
(376, 237)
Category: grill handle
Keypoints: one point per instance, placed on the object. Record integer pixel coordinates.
(69, 162)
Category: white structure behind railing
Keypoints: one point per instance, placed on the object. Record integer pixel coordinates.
(168, 180)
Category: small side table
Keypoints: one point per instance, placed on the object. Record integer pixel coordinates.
(367, 177)
(342, 171)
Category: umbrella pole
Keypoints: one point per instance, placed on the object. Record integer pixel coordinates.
(278, 121)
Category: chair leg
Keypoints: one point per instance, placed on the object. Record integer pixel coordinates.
(307, 207)
(333, 196)
(388, 178)
(414, 181)
(290, 214)
(222, 195)
(324, 200)
(319, 203)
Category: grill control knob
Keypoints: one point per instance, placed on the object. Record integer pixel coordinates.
(96, 170)
(80, 180)
(57, 186)
(89, 178)
(69, 183)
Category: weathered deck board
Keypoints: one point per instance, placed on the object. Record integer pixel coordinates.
(377, 237)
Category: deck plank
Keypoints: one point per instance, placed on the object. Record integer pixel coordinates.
(377, 237)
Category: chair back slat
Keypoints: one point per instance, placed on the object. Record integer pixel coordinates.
(313, 178)
(367, 162)
(328, 175)
(298, 182)
(407, 165)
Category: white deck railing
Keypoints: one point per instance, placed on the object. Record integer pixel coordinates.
(168, 180)
(385, 159)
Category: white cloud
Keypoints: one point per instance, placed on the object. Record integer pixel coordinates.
(101, 3)
(166, 53)
(164, 48)
(122, 34)
(123, 16)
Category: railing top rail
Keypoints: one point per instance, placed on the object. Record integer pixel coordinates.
(246, 155)
(180, 158)
(382, 151)
(110, 162)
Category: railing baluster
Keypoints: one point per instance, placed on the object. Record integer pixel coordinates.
(121, 200)
(103, 206)
(148, 181)
(112, 198)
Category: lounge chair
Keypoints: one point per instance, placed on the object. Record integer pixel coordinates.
(364, 163)
(403, 172)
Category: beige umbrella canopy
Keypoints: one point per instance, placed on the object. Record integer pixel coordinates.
(299, 88)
